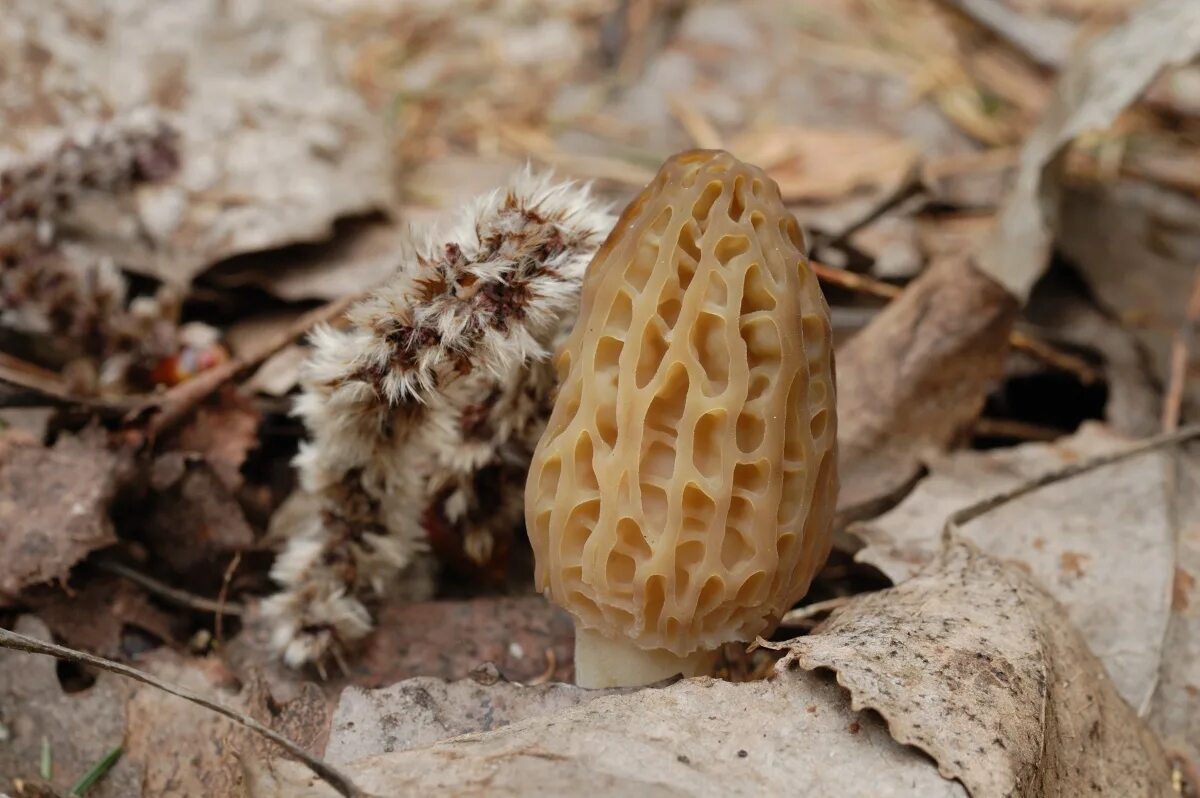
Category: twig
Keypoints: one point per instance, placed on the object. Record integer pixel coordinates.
(973, 511)
(1012, 428)
(905, 190)
(176, 404)
(698, 126)
(331, 775)
(1039, 350)
(801, 615)
(171, 594)
(218, 629)
(1181, 352)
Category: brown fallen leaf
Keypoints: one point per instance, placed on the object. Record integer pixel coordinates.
(79, 727)
(94, 617)
(276, 145)
(223, 431)
(915, 378)
(815, 165)
(972, 664)
(189, 519)
(1102, 544)
(54, 504)
(700, 737)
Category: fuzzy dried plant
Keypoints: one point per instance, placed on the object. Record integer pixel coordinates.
(59, 303)
(422, 414)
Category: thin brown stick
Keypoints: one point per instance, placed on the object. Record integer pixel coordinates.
(973, 511)
(172, 594)
(222, 596)
(176, 404)
(1039, 350)
(1181, 355)
(328, 773)
(1012, 428)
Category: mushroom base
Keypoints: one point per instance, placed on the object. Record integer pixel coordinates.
(603, 662)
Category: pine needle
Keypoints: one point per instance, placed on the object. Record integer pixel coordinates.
(97, 772)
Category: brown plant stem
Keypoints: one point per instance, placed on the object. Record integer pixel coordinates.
(1039, 350)
(1182, 348)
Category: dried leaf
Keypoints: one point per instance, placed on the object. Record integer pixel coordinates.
(94, 617)
(699, 737)
(54, 506)
(191, 520)
(970, 663)
(1107, 228)
(814, 165)
(1099, 83)
(422, 711)
(223, 432)
(187, 750)
(1102, 544)
(1175, 710)
(912, 381)
(275, 145)
(80, 727)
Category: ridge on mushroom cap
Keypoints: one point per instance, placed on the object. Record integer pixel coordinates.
(683, 492)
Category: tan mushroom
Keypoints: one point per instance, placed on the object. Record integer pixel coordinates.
(682, 494)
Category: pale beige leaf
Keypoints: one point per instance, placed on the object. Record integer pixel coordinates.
(1100, 543)
(971, 663)
(794, 735)
(1175, 710)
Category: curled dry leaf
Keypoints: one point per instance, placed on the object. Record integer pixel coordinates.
(1102, 544)
(1107, 228)
(1096, 86)
(275, 145)
(915, 378)
(54, 505)
(971, 663)
(79, 727)
(699, 737)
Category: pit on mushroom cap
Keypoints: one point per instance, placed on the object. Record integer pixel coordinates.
(682, 494)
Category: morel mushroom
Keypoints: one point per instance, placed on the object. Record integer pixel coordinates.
(682, 494)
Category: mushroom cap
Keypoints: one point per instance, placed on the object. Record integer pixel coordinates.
(683, 491)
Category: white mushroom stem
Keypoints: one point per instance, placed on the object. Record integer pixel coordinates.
(603, 662)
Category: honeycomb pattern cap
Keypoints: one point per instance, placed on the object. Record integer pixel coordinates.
(682, 494)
